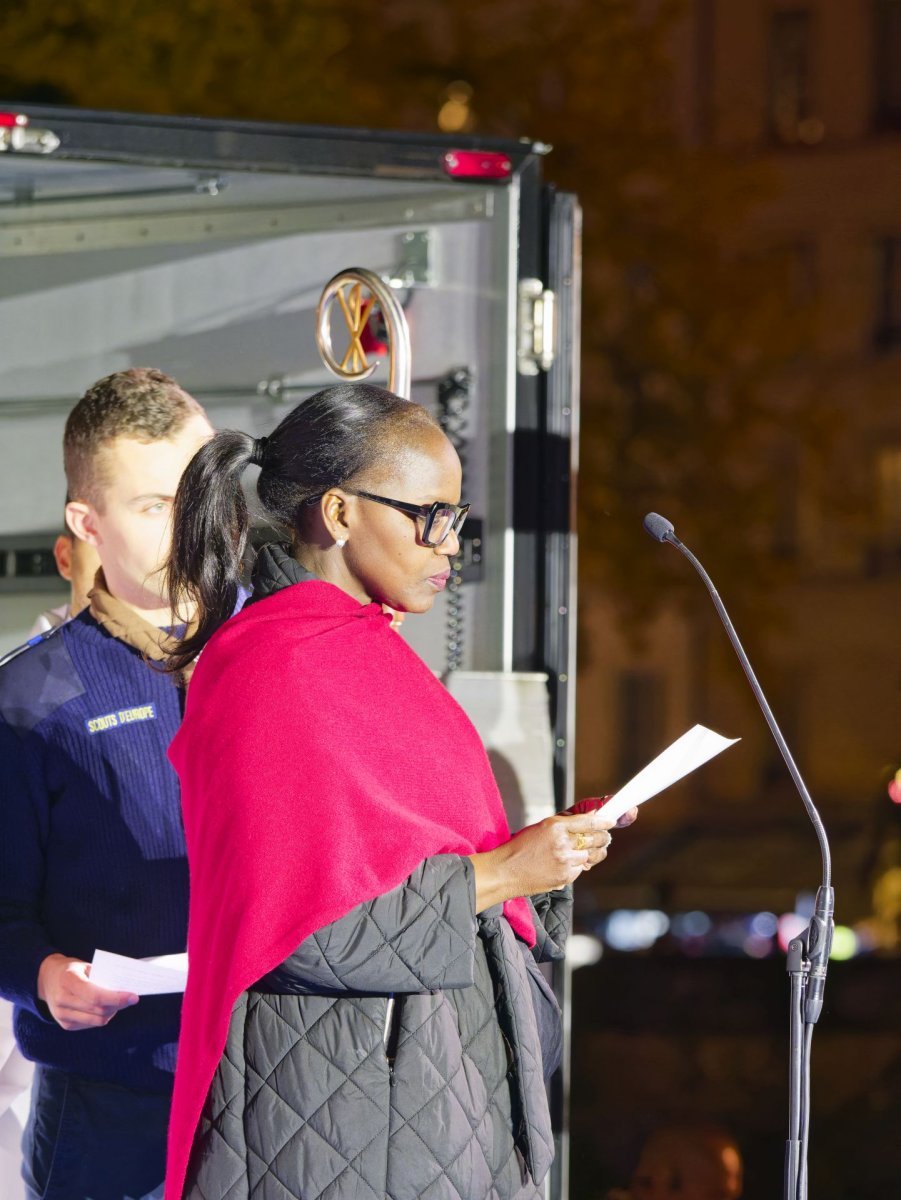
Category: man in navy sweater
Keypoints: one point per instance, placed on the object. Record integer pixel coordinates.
(91, 846)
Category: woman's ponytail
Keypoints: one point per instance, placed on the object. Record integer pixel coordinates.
(327, 440)
(209, 533)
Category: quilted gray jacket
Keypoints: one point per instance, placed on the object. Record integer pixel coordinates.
(394, 1054)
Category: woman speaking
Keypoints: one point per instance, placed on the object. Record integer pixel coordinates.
(363, 1016)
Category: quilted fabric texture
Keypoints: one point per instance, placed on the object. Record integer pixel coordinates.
(327, 1091)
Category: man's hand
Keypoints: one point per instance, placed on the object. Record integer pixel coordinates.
(75, 1002)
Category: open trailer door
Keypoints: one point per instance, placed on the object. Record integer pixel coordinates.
(204, 247)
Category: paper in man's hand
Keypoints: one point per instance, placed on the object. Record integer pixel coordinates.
(143, 976)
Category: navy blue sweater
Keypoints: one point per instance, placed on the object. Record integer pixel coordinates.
(92, 850)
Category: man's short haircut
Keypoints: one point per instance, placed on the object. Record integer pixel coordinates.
(141, 403)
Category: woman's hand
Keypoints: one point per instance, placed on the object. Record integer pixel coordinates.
(541, 858)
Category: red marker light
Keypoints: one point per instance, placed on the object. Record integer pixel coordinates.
(10, 120)
(477, 164)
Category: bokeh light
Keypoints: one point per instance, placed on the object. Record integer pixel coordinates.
(455, 114)
(844, 943)
(638, 929)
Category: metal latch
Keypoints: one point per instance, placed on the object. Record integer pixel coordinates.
(17, 134)
(537, 340)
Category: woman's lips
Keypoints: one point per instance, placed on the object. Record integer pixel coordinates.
(438, 582)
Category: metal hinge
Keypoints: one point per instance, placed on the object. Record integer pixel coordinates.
(537, 339)
(16, 134)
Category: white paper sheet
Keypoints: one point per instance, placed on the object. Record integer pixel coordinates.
(685, 755)
(143, 976)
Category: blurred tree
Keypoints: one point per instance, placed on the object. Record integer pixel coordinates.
(684, 339)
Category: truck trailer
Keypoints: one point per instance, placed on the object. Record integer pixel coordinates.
(254, 262)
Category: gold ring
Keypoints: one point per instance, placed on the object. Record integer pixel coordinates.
(581, 841)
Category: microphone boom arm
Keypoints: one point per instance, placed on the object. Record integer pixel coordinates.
(815, 818)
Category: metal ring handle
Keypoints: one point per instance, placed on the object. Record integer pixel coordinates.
(355, 365)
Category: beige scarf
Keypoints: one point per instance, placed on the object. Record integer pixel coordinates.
(121, 621)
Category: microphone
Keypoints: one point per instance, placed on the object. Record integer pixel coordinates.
(658, 527)
(821, 926)
(808, 955)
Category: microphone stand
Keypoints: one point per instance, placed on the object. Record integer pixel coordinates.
(808, 954)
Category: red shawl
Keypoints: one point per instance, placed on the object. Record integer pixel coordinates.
(320, 762)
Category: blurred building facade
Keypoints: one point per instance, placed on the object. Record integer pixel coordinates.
(810, 91)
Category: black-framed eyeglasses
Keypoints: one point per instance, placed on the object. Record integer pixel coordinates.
(439, 520)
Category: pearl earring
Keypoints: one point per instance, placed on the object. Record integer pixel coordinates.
(340, 542)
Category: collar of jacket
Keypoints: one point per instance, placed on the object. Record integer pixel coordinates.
(275, 568)
(121, 621)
